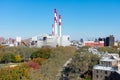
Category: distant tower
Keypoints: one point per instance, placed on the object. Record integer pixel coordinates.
(53, 30)
(55, 22)
(109, 41)
(60, 26)
(81, 40)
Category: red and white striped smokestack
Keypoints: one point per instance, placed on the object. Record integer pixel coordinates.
(60, 26)
(53, 30)
(55, 22)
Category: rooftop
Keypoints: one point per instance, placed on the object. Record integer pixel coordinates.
(104, 68)
(107, 59)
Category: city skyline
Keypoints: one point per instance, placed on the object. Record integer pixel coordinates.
(86, 19)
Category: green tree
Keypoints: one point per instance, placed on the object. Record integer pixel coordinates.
(108, 49)
(7, 57)
(42, 53)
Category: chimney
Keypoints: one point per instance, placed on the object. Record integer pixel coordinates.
(53, 30)
(60, 26)
(55, 22)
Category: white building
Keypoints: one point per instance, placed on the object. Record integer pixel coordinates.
(18, 41)
(49, 40)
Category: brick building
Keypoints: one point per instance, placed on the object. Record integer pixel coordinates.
(94, 44)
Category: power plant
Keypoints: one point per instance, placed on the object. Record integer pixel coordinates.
(55, 38)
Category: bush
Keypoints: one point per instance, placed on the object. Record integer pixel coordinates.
(14, 73)
(33, 65)
(42, 53)
(39, 60)
(8, 57)
(18, 58)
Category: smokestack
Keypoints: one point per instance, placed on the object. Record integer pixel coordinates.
(55, 22)
(60, 26)
(53, 30)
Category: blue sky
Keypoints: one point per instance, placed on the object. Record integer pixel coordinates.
(86, 19)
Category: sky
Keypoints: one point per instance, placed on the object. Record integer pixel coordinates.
(87, 19)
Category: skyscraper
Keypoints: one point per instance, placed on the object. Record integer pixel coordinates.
(110, 41)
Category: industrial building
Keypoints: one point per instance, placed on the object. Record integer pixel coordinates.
(54, 39)
(94, 44)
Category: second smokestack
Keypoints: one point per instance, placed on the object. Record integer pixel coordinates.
(60, 26)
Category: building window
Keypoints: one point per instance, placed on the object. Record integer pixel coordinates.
(44, 38)
(109, 64)
(105, 72)
(68, 38)
(96, 76)
(96, 71)
(102, 63)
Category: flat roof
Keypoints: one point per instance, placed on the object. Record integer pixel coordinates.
(107, 59)
(104, 68)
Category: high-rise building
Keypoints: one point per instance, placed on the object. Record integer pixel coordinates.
(81, 40)
(110, 41)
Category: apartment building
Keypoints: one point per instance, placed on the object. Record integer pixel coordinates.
(108, 68)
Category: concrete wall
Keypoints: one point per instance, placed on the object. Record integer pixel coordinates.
(106, 63)
(100, 74)
(65, 41)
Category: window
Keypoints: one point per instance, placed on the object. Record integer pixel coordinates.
(101, 63)
(96, 76)
(68, 38)
(44, 38)
(96, 71)
(109, 64)
(105, 72)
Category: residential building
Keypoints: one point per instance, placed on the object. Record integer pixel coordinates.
(108, 68)
(2, 40)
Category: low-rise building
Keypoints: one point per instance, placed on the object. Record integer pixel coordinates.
(49, 40)
(108, 68)
(94, 44)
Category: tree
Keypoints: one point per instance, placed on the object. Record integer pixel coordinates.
(108, 49)
(81, 65)
(12, 57)
(18, 58)
(42, 53)
(8, 57)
